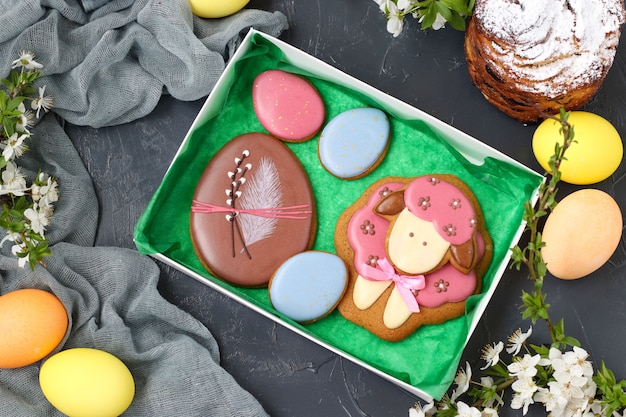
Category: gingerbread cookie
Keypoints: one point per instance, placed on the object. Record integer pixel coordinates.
(308, 286)
(287, 105)
(354, 142)
(416, 248)
(253, 208)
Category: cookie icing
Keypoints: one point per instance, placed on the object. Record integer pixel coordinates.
(253, 208)
(287, 105)
(354, 141)
(442, 220)
(308, 285)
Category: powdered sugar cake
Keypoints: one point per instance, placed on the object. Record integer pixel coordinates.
(532, 57)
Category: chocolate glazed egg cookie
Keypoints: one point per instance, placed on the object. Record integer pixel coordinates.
(417, 248)
(253, 208)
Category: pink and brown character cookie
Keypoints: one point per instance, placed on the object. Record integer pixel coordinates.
(287, 105)
(253, 209)
(417, 248)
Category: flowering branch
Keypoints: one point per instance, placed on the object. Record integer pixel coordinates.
(561, 380)
(535, 302)
(25, 210)
(431, 14)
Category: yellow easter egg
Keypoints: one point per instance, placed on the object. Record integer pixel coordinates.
(595, 155)
(83, 382)
(32, 324)
(581, 233)
(216, 8)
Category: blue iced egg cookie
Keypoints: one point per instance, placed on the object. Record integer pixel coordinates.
(354, 142)
(308, 286)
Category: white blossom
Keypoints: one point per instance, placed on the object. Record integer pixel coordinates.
(524, 388)
(13, 181)
(42, 102)
(578, 357)
(31, 212)
(462, 380)
(404, 5)
(15, 146)
(381, 4)
(24, 120)
(439, 22)
(489, 412)
(21, 260)
(38, 219)
(395, 19)
(10, 237)
(420, 410)
(464, 410)
(517, 340)
(491, 354)
(552, 400)
(595, 408)
(568, 373)
(47, 194)
(524, 367)
(26, 60)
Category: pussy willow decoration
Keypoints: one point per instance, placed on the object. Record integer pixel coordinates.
(26, 210)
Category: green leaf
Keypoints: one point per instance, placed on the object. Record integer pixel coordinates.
(14, 102)
(9, 125)
(459, 6)
(542, 268)
(542, 350)
(571, 341)
(443, 10)
(457, 21)
(429, 17)
(451, 411)
(534, 307)
(3, 100)
(517, 257)
(7, 84)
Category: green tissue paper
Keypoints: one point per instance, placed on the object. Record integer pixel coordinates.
(429, 358)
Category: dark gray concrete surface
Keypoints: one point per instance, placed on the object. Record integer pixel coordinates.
(290, 375)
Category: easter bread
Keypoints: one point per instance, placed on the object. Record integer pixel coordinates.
(529, 58)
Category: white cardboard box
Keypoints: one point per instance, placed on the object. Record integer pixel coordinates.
(473, 150)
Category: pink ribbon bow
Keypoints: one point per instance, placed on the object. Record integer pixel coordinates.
(405, 284)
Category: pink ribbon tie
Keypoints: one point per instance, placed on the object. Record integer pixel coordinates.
(289, 212)
(405, 284)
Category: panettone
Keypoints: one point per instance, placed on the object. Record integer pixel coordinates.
(532, 57)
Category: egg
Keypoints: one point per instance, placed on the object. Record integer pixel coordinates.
(32, 324)
(308, 286)
(216, 8)
(354, 142)
(581, 233)
(85, 382)
(595, 155)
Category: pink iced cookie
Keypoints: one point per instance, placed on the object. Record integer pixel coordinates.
(288, 106)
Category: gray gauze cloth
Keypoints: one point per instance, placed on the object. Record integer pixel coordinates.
(109, 61)
(113, 304)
